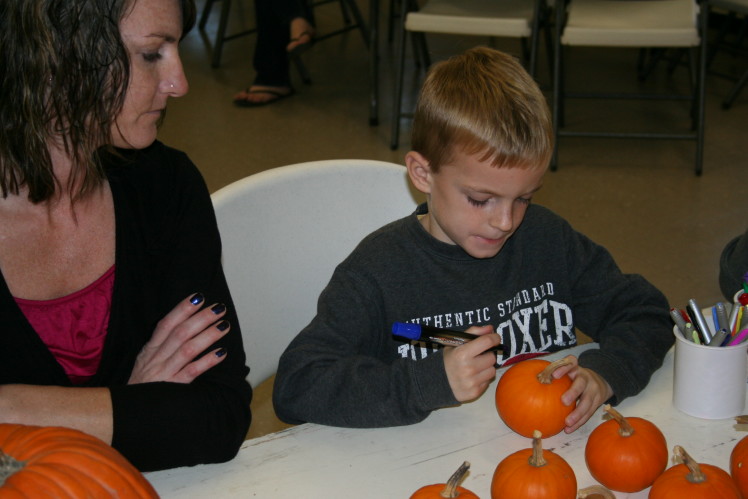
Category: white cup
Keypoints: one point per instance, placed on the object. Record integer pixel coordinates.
(709, 382)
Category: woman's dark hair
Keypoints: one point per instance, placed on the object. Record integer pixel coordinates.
(65, 75)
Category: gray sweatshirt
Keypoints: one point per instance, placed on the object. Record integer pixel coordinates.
(346, 368)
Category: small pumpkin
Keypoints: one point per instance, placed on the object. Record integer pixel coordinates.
(626, 454)
(534, 474)
(739, 465)
(528, 398)
(451, 489)
(691, 479)
(62, 462)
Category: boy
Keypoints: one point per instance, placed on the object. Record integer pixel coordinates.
(475, 256)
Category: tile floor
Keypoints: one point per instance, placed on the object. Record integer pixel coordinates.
(638, 198)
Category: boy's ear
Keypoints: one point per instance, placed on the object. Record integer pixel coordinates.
(419, 171)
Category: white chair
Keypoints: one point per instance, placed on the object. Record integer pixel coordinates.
(632, 23)
(520, 19)
(285, 230)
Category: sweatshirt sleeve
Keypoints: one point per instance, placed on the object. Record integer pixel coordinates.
(337, 372)
(733, 265)
(624, 313)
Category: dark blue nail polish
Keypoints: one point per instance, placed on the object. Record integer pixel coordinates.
(218, 308)
(223, 325)
(221, 352)
(197, 299)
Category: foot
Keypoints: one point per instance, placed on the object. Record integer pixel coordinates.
(260, 95)
(302, 34)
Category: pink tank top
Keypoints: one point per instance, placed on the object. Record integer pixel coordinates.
(74, 326)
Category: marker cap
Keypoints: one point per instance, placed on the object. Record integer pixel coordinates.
(410, 331)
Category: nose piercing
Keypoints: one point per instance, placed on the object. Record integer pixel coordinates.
(171, 85)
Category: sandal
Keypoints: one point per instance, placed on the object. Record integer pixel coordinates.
(275, 96)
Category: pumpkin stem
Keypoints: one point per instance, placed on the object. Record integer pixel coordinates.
(450, 488)
(595, 492)
(625, 430)
(546, 375)
(695, 475)
(537, 459)
(8, 466)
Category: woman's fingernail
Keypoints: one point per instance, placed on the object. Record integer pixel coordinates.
(197, 299)
(221, 352)
(223, 325)
(218, 308)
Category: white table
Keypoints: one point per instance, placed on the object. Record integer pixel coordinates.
(313, 461)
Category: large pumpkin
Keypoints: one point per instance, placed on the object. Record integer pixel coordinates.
(739, 465)
(626, 454)
(61, 462)
(528, 398)
(691, 479)
(449, 490)
(534, 474)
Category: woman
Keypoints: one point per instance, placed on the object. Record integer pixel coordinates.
(116, 317)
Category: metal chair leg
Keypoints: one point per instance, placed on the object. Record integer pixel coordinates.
(397, 94)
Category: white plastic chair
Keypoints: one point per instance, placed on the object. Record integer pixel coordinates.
(285, 230)
(632, 23)
(519, 19)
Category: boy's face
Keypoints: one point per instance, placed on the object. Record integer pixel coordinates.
(473, 204)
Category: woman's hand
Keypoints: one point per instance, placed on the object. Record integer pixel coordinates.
(185, 332)
(588, 390)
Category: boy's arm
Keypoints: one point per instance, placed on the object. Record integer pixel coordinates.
(342, 369)
(625, 314)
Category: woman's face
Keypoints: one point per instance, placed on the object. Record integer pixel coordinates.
(150, 32)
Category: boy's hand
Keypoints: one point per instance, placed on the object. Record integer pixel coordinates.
(470, 367)
(588, 387)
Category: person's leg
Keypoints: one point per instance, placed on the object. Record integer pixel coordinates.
(270, 61)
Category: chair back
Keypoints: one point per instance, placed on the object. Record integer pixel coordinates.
(285, 230)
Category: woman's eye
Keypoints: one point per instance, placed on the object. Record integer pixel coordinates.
(151, 56)
(476, 202)
(524, 200)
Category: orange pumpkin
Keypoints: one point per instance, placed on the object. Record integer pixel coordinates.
(451, 489)
(534, 474)
(528, 398)
(691, 479)
(626, 454)
(61, 462)
(739, 465)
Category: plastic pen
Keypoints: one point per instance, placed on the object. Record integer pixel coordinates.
(719, 338)
(690, 332)
(699, 322)
(738, 319)
(722, 320)
(446, 337)
(679, 321)
(739, 338)
(734, 316)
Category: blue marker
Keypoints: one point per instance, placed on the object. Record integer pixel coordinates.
(446, 337)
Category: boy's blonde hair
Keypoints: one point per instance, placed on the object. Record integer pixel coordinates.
(482, 102)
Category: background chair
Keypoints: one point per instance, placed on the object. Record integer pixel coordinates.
(634, 23)
(285, 230)
(735, 10)
(490, 18)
